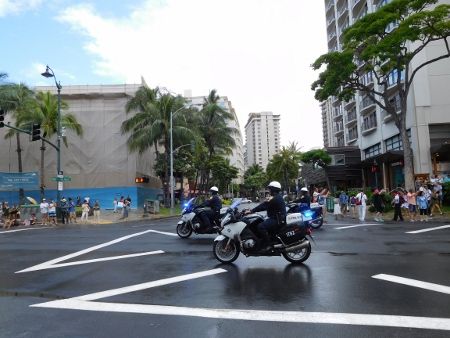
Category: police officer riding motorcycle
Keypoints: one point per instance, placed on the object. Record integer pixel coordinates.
(210, 218)
(276, 213)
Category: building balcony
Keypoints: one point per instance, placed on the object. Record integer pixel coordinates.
(338, 129)
(366, 105)
(330, 21)
(335, 100)
(331, 36)
(351, 139)
(357, 5)
(368, 127)
(337, 113)
(350, 103)
(329, 6)
(342, 13)
(350, 117)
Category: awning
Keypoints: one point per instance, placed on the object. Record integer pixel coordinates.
(387, 157)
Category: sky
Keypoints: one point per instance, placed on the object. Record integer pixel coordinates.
(258, 53)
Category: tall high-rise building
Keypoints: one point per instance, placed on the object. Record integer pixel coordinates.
(236, 157)
(360, 122)
(262, 134)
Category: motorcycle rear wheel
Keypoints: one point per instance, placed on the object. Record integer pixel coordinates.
(225, 254)
(184, 230)
(316, 224)
(298, 256)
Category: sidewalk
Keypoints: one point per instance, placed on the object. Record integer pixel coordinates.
(445, 218)
(108, 217)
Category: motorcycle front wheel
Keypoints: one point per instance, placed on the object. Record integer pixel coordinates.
(184, 230)
(316, 224)
(225, 252)
(298, 256)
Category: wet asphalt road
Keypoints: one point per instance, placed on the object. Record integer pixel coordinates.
(335, 281)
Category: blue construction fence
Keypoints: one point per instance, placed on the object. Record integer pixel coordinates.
(105, 196)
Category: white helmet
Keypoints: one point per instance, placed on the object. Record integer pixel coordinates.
(214, 188)
(304, 189)
(274, 185)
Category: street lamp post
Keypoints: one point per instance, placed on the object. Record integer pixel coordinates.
(49, 73)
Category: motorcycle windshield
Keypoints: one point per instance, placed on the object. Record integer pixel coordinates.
(236, 203)
(188, 205)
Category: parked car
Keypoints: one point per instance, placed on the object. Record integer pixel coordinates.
(246, 200)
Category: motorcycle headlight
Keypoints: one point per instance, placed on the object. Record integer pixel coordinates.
(308, 213)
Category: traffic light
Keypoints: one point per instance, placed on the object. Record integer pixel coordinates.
(141, 180)
(2, 118)
(35, 132)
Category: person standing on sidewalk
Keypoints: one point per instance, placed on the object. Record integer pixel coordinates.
(397, 202)
(43, 207)
(72, 211)
(361, 202)
(378, 203)
(115, 202)
(343, 201)
(423, 206)
(96, 212)
(85, 212)
(412, 205)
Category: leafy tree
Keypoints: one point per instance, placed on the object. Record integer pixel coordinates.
(222, 172)
(385, 44)
(316, 156)
(46, 114)
(255, 179)
(284, 167)
(151, 125)
(213, 129)
(19, 100)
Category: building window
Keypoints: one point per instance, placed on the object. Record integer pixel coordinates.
(372, 151)
(338, 159)
(395, 142)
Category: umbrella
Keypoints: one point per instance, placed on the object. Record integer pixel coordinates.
(32, 200)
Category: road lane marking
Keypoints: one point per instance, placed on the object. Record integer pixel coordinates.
(103, 259)
(26, 229)
(356, 226)
(164, 233)
(430, 323)
(147, 285)
(49, 264)
(428, 229)
(88, 303)
(414, 282)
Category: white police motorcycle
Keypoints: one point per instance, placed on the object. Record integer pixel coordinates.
(239, 234)
(191, 222)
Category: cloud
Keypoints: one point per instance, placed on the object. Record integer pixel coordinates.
(17, 6)
(256, 52)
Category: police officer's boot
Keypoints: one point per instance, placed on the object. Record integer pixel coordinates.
(265, 245)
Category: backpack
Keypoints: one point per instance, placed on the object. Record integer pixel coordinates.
(358, 199)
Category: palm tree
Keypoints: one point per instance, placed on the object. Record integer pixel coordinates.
(217, 135)
(141, 124)
(254, 179)
(151, 125)
(46, 114)
(20, 100)
(284, 166)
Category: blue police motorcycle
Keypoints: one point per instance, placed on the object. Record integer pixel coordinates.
(311, 214)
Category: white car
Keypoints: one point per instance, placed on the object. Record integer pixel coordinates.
(246, 200)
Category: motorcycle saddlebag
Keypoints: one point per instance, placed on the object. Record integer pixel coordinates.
(292, 233)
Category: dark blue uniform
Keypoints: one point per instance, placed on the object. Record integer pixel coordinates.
(276, 213)
(212, 215)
